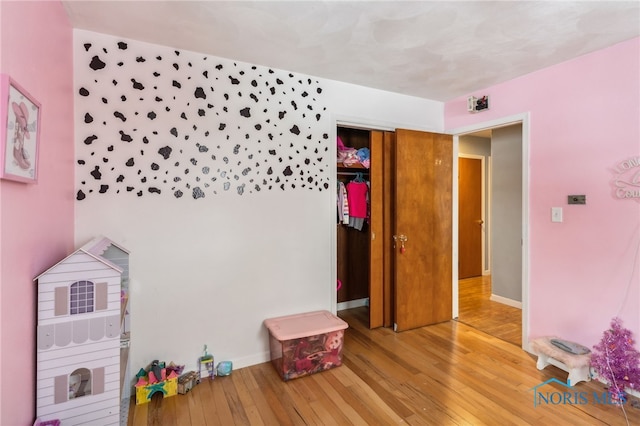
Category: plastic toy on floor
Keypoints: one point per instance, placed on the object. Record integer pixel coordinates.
(224, 368)
(206, 365)
(153, 380)
(187, 381)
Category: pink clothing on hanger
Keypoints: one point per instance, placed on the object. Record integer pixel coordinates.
(357, 197)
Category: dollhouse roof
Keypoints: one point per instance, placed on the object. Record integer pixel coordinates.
(94, 248)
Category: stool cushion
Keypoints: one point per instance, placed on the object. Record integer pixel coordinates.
(544, 346)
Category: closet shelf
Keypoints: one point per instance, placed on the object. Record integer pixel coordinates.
(352, 166)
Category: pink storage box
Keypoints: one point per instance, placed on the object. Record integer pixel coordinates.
(305, 343)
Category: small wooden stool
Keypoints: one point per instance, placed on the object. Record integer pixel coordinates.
(578, 366)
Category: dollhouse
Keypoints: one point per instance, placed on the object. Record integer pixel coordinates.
(82, 326)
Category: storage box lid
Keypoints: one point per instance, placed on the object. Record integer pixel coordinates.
(303, 325)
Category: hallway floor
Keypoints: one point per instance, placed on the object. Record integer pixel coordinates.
(494, 318)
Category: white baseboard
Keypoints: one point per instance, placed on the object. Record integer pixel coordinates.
(352, 304)
(505, 301)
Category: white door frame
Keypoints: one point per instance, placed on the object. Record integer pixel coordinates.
(492, 124)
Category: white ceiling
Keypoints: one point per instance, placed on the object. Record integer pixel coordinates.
(431, 49)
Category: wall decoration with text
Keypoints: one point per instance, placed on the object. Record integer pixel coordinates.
(627, 180)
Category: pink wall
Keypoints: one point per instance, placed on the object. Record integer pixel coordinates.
(36, 220)
(584, 120)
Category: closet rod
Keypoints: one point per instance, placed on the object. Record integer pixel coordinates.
(351, 173)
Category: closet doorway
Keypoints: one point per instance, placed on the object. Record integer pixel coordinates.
(407, 249)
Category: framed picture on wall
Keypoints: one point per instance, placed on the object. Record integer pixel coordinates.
(20, 132)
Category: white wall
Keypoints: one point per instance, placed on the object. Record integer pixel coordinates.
(210, 270)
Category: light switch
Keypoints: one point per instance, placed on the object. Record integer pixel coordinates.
(556, 214)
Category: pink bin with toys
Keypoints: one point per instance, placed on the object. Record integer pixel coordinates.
(306, 343)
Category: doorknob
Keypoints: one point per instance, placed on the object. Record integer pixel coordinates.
(479, 221)
(402, 239)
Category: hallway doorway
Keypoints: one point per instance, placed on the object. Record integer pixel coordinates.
(496, 301)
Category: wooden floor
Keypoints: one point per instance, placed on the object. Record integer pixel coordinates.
(477, 310)
(445, 374)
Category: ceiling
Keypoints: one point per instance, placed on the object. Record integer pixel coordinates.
(437, 50)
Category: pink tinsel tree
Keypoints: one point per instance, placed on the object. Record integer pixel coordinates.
(617, 361)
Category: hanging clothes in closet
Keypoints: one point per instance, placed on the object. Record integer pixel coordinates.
(353, 202)
(343, 204)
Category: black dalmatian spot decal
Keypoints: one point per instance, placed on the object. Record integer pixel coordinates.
(96, 63)
(211, 125)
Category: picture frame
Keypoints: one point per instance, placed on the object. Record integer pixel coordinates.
(19, 132)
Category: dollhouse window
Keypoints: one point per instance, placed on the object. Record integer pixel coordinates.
(81, 297)
(79, 383)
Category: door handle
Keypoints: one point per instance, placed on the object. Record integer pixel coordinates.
(402, 238)
(480, 221)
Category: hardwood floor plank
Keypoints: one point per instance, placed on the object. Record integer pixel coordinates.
(370, 378)
(161, 411)
(192, 401)
(278, 402)
(225, 397)
(267, 415)
(183, 414)
(380, 410)
(301, 396)
(431, 409)
(169, 411)
(323, 413)
(341, 406)
(245, 398)
(139, 413)
(324, 408)
(205, 394)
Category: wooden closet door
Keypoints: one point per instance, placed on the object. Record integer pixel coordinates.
(376, 223)
(388, 173)
(423, 214)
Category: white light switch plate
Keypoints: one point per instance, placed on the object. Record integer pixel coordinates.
(556, 214)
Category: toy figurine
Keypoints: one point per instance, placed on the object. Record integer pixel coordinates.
(156, 370)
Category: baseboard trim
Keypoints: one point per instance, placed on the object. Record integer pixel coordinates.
(505, 301)
(349, 304)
